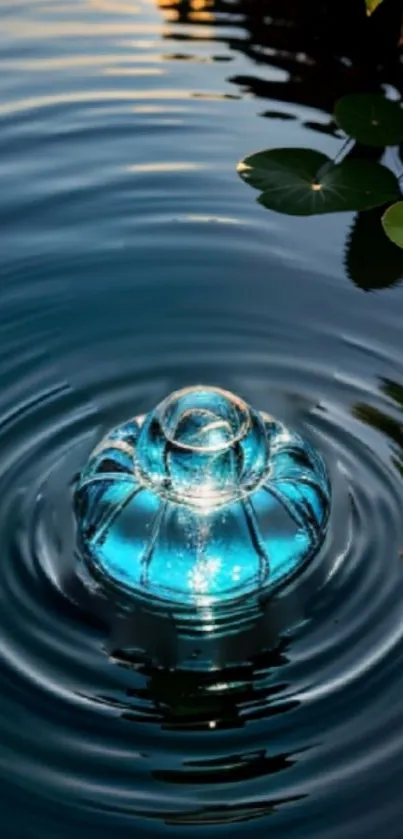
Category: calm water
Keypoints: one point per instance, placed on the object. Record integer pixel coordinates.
(135, 261)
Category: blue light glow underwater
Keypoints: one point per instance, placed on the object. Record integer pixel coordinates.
(203, 501)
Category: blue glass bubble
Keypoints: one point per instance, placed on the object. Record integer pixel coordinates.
(203, 501)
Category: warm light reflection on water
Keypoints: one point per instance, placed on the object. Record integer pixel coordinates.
(116, 7)
(104, 96)
(164, 167)
(33, 65)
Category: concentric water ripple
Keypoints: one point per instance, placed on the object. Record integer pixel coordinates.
(134, 263)
(90, 729)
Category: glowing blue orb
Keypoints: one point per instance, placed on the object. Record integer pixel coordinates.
(201, 502)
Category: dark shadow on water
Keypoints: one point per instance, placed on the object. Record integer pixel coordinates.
(198, 701)
(372, 261)
(325, 50)
(231, 813)
(210, 702)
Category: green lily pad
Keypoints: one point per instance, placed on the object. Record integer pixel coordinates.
(372, 5)
(392, 222)
(303, 182)
(372, 262)
(370, 118)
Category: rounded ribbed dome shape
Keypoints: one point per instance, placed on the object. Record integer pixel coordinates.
(203, 501)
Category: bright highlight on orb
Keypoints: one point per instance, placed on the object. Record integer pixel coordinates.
(201, 502)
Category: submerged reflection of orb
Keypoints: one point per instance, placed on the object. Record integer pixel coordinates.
(201, 504)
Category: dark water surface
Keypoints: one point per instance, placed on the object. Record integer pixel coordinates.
(134, 261)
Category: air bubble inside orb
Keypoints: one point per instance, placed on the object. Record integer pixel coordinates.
(202, 502)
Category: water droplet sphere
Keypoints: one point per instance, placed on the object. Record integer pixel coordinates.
(202, 502)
